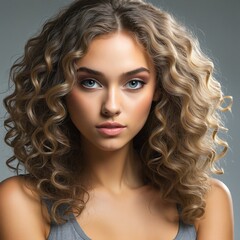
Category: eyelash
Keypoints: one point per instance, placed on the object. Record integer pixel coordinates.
(137, 81)
(84, 83)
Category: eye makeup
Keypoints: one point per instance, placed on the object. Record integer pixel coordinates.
(132, 80)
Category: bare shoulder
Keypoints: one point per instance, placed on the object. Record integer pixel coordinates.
(217, 222)
(20, 211)
(14, 187)
(217, 185)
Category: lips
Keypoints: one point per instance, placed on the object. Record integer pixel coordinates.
(110, 125)
(110, 128)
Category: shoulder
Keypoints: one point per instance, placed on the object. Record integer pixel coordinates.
(21, 211)
(218, 193)
(217, 222)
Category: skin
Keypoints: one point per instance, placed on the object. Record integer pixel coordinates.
(118, 197)
(122, 92)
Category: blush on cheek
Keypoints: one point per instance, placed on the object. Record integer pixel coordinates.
(144, 106)
(74, 103)
(141, 112)
(75, 100)
(73, 95)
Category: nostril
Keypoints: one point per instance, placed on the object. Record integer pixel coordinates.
(110, 112)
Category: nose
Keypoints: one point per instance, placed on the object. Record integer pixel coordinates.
(111, 103)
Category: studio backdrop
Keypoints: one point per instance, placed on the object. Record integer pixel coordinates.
(214, 22)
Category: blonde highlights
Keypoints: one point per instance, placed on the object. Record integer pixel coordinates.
(179, 140)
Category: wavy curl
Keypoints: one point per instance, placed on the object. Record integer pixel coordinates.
(179, 141)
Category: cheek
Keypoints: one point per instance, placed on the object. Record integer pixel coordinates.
(78, 106)
(140, 108)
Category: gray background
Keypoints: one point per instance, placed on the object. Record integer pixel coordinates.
(214, 22)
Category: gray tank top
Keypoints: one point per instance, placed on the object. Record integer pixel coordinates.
(71, 230)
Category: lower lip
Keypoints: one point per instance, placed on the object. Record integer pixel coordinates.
(111, 131)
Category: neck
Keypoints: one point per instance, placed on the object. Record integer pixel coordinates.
(112, 170)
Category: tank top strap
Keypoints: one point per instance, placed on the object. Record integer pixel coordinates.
(61, 210)
(185, 231)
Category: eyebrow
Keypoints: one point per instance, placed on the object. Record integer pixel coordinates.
(97, 73)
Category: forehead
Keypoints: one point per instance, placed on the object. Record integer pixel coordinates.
(116, 50)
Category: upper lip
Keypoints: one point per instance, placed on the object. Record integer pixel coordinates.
(110, 125)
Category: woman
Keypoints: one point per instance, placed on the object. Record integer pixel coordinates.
(114, 116)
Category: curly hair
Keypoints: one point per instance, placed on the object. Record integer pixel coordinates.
(179, 142)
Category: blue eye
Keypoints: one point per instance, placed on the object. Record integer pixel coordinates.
(90, 83)
(135, 84)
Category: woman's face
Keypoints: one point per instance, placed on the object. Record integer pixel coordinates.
(112, 97)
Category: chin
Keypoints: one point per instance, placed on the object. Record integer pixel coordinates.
(111, 146)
